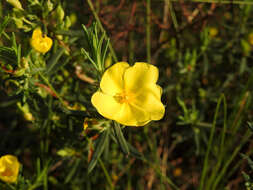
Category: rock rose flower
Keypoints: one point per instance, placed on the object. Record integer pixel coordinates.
(129, 94)
(9, 168)
(40, 42)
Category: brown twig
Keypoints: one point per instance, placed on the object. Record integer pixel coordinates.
(82, 76)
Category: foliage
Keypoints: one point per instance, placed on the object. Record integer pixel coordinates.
(62, 142)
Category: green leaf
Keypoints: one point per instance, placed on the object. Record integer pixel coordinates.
(99, 148)
(134, 152)
(86, 35)
(4, 24)
(86, 54)
(105, 52)
(183, 106)
(8, 55)
(72, 171)
(246, 176)
(250, 126)
(53, 60)
(120, 138)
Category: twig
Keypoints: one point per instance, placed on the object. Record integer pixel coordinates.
(82, 76)
(148, 31)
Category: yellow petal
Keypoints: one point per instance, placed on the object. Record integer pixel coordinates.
(2, 167)
(140, 75)
(112, 80)
(37, 33)
(132, 116)
(150, 100)
(105, 104)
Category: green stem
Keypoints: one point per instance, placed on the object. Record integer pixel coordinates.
(102, 29)
(222, 151)
(228, 161)
(210, 141)
(11, 186)
(106, 173)
(204, 125)
(173, 16)
(148, 31)
(52, 88)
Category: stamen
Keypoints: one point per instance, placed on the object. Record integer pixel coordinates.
(7, 173)
(123, 97)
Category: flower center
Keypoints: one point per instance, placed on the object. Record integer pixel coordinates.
(123, 97)
(7, 173)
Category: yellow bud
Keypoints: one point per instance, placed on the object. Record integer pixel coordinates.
(26, 111)
(67, 22)
(9, 168)
(28, 117)
(59, 37)
(15, 3)
(66, 152)
(49, 5)
(60, 12)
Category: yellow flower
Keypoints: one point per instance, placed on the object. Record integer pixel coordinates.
(130, 95)
(9, 168)
(40, 42)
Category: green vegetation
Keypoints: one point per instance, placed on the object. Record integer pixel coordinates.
(204, 52)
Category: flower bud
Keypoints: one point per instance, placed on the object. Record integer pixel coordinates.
(19, 72)
(49, 5)
(60, 12)
(67, 22)
(9, 168)
(18, 22)
(15, 3)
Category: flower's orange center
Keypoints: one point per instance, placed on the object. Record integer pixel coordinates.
(7, 173)
(123, 97)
